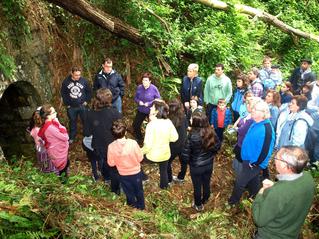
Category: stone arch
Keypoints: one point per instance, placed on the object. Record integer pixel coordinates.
(18, 102)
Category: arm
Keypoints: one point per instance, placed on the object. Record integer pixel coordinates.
(200, 91)
(121, 85)
(299, 133)
(110, 156)
(229, 90)
(186, 152)
(96, 84)
(266, 207)
(138, 152)
(148, 140)
(64, 93)
(173, 133)
(54, 132)
(182, 91)
(137, 95)
(228, 118)
(206, 91)
(88, 92)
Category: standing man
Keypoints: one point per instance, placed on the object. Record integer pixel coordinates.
(301, 75)
(218, 86)
(256, 86)
(191, 86)
(256, 151)
(280, 208)
(76, 93)
(110, 79)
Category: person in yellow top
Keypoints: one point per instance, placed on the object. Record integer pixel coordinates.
(159, 132)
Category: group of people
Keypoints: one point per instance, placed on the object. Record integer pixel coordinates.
(263, 108)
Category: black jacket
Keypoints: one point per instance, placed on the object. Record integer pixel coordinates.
(195, 154)
(177, 147)
(75, 93)
(191, 88)
(100, 126)
(297, 82)
(113, 81)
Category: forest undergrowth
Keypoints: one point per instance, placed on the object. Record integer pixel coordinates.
(37, 205)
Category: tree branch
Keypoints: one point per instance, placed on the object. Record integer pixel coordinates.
(102, 19)
(264, 16)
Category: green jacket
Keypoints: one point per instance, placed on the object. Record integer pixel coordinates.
(217, 88)
(281, 210)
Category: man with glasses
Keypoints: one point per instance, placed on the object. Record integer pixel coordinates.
(76, 93)
(280, 208)
(110, 79)
(256, 151)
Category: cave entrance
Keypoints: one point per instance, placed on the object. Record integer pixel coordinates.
(17, 104)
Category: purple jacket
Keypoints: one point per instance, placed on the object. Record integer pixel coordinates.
(146, 96)
(243, 127)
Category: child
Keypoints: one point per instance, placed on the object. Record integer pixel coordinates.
(194, 107)
(238, 98)
(199, 151)
(306, 91)
(126, 155)
(286, 92)
(44, 163)
(220, 118)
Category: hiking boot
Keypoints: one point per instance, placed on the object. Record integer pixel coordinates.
(198, 208)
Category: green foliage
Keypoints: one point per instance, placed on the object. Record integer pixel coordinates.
(14, 12)
(7, 64)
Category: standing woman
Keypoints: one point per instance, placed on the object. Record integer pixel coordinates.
(178, 118)
(273, 100)
(100, 127)
(56, 139)
(201, 146)
(191, 86)
(145, 94)
(238, 98)
(159, 132)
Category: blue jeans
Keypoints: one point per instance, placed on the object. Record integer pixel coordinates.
(133, 188)
(247, 177)
(73, 114)
(118, 104)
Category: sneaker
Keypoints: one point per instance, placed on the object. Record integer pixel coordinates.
(108, 182)
(177, 180)
(95, 178)
(198, 208)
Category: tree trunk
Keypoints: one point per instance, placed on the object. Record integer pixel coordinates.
(264, 16)
(102, 19)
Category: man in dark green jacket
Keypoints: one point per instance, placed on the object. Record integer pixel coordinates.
(280, 208)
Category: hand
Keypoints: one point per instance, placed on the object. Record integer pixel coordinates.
(146, 104)
(266, 184)
(141, 103)
(186, 104)
(85, 103)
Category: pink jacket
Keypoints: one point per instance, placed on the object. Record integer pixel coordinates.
(126, 155)
(58, 146)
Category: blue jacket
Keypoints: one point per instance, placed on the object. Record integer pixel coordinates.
(258, 144)
(214, 117)
(195, 85)
(238, 99)
(75, 93)
(113, 81)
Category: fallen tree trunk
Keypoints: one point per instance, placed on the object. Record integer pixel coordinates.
(100, 18)
(264, 16)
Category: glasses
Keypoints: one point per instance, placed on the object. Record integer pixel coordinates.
(278, 159)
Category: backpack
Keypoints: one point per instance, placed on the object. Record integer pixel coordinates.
(312, 137)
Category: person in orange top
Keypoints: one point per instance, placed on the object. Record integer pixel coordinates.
(126, 155)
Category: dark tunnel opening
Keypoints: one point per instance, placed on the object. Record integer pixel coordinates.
(17, 104)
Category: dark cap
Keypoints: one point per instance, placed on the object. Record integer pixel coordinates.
(306, 60)
(275, 66)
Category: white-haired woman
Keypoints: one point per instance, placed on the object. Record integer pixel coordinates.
(191, 86)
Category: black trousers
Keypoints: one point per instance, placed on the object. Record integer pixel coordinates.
(182, 173)
(248, 177)
(201, 177)
(138, 120)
